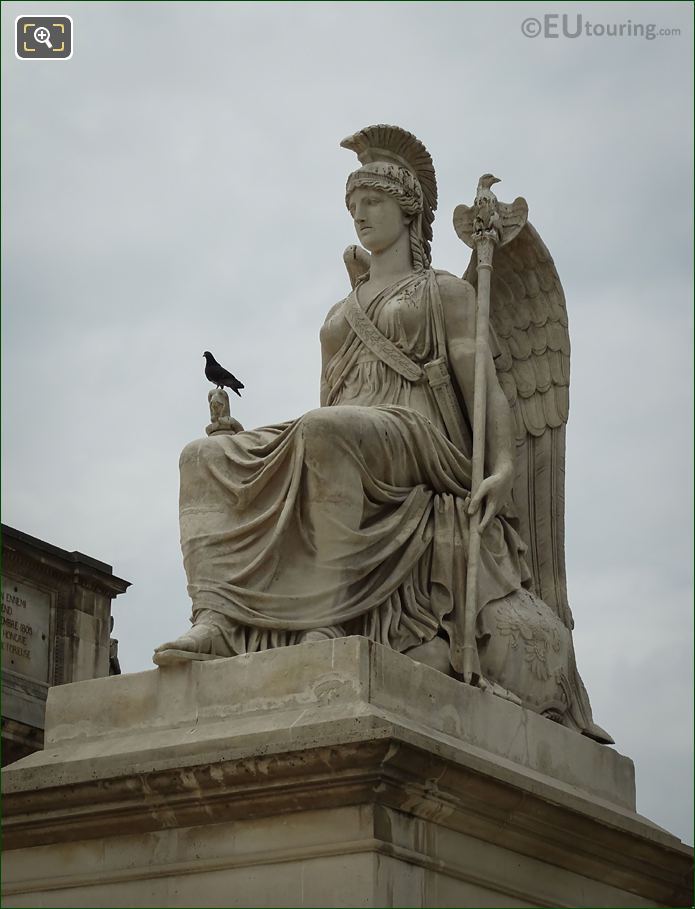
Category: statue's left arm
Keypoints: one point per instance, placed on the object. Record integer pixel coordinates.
(458, 304)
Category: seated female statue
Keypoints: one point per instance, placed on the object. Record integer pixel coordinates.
(353, 519)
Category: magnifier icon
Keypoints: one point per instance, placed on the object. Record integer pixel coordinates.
(43, 36)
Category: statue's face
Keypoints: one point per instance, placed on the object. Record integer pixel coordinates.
(379, 221)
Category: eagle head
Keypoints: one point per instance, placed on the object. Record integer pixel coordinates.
(487, 180)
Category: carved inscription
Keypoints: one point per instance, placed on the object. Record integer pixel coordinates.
(25, 626)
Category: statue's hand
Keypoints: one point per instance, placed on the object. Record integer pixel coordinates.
(495, 490)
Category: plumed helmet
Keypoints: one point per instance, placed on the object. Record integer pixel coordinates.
(395, 161)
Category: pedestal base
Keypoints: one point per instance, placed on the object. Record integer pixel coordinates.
(336, 773)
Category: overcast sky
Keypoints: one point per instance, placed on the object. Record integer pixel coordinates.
(178, 186)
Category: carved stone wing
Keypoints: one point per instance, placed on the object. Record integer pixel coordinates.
(356, 262)
(529, 321)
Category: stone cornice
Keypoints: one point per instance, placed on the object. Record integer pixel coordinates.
(385, 772)
(37, 557)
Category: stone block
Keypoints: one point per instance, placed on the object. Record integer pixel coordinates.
(335, 773)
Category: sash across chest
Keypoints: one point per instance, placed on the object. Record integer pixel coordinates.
(378, 343)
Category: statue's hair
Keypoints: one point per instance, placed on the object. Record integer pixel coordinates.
(419, 247)
(396, 162)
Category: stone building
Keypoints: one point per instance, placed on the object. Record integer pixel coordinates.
(56, 628)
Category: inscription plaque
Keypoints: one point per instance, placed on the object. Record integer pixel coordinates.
(26, 622)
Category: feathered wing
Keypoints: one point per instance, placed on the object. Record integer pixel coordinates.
(528, 319)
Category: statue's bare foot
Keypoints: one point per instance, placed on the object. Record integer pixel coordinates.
(202, 642)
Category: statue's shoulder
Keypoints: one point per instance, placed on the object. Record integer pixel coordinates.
(335, 309)
(453, 290)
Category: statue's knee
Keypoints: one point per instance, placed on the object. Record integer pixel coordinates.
(198, 452)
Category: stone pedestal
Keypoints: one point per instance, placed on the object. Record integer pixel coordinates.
(327, 774)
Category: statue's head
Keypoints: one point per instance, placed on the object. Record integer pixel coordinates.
(395, 166)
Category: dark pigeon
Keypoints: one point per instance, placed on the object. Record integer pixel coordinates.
(219, 376)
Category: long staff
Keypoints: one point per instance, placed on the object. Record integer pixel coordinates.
(483, 226)
(485, 247)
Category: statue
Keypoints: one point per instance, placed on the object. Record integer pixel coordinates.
(409, 507)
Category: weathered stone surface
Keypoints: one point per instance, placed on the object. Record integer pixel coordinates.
(26, 629)
(333, 773)
(56, 622)
(356, 855)
(325, 693)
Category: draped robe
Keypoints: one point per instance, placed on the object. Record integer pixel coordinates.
(351, 518)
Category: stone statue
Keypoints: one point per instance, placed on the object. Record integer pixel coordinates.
(357, 517)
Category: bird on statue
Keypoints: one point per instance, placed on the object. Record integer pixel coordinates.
(220, 376)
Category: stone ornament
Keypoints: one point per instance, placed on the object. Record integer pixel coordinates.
(368, 515)
(221, 420)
